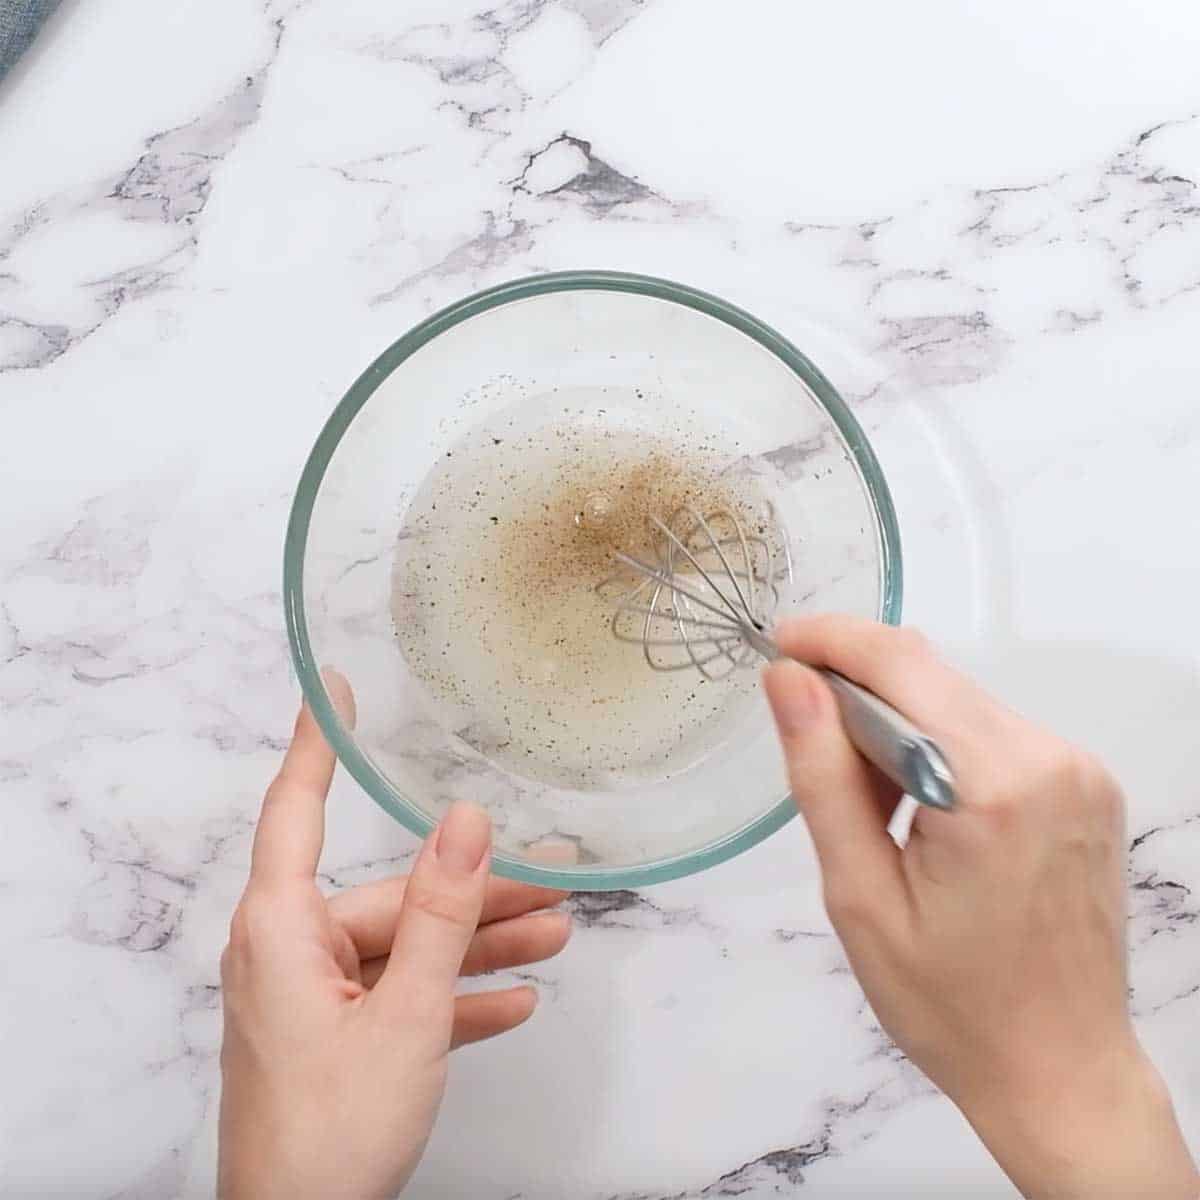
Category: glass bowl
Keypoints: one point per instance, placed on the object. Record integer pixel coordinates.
(655, 353)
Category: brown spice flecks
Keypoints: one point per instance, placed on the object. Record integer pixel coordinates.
(548, 551)
(497, 612)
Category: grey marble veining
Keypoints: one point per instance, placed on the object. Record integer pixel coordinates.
(212, 217)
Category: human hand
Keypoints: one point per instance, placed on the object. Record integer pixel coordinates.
(340, 1013)
(992, 948)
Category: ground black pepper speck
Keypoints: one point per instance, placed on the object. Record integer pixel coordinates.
(496, 610)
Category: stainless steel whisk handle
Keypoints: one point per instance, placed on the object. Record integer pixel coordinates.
(886, 738)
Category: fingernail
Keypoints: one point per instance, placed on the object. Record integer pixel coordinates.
(553, 854)
(340, 695)
(561, 920)
(463, 837)
(792, 690)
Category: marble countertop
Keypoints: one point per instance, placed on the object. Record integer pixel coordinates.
(983, 222)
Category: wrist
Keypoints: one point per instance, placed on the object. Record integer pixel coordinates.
(1106, 1130)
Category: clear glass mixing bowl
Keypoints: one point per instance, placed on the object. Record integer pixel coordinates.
(650, 343)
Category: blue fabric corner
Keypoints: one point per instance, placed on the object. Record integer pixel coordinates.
(19, 22)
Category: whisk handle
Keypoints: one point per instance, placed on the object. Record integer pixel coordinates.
(882, 735)
(887, 738)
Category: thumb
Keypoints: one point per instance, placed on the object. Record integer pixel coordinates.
(843, 800)
(438, 918)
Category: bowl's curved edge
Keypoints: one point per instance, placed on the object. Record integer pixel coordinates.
(580, 878)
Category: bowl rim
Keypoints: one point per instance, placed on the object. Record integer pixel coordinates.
(581, 877)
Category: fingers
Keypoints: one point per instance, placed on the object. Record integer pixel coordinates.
(480, 1015)
(497, 947)
(438, 918)
(486, 1014)
(898, 665)
(291, 826)
(369, 913)
(840, 796)
(901, 667)
(516, 942)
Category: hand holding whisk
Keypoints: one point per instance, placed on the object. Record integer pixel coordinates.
(707, 602)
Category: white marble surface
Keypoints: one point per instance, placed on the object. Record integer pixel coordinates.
(984, 220)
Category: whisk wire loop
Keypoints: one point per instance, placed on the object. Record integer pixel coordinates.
(706, 599)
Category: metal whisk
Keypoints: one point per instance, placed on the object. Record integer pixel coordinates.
(708, 600)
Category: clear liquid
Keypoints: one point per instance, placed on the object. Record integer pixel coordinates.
(495, 600)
